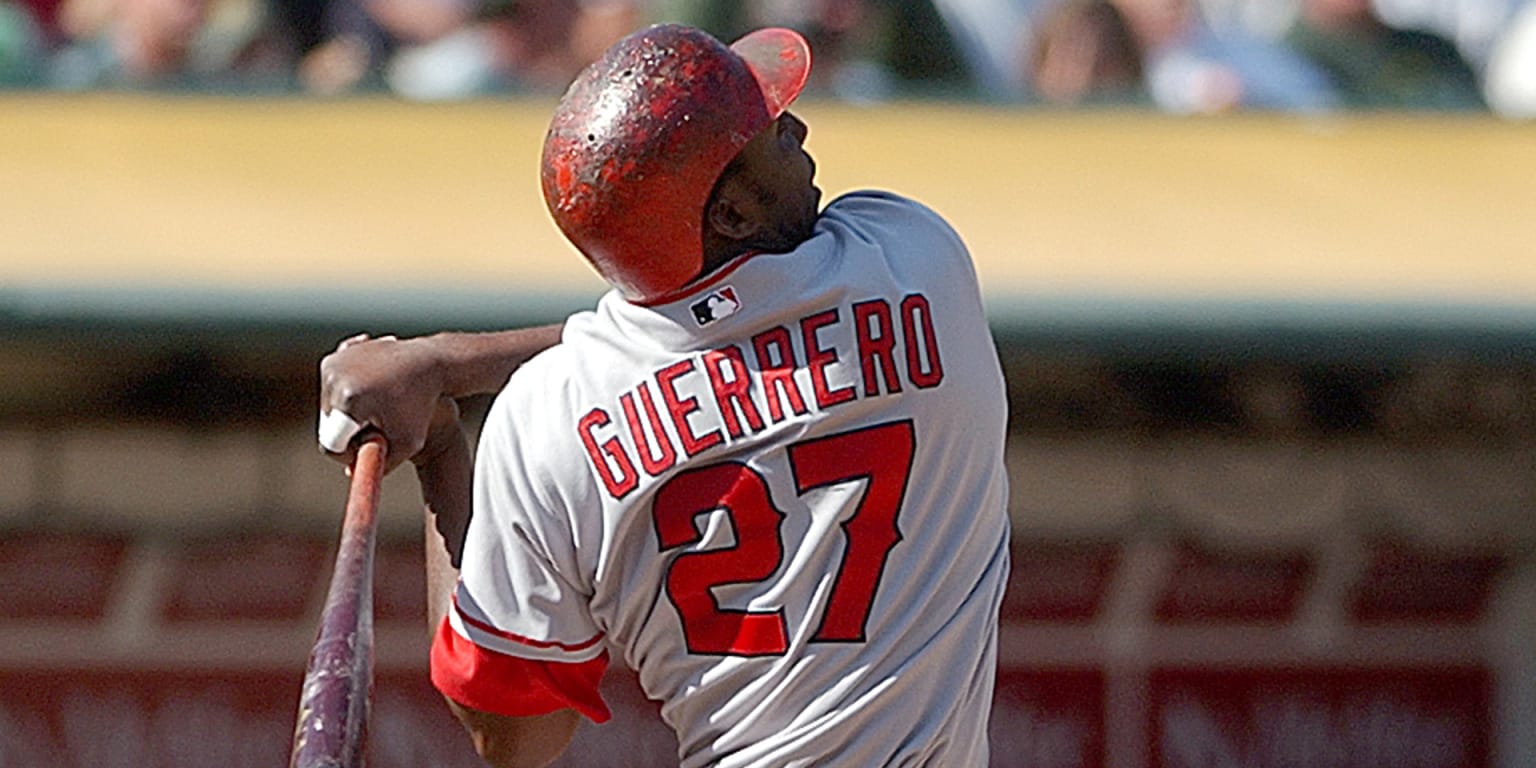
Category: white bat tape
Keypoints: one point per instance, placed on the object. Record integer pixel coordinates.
(337, 430)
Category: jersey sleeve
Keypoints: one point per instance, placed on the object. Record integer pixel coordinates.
(488, 681)
(519, 638)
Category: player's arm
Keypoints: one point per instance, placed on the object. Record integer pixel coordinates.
(392, 385)
(516, 742)
(444, 467)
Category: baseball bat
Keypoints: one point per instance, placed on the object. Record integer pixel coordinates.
(332, 727)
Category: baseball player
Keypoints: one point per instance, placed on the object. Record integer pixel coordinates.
(765, 472)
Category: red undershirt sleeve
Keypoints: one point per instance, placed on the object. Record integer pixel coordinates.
(500, 684)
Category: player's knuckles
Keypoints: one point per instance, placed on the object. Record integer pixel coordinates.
(351, 340)
(345, 394)
(336, 388)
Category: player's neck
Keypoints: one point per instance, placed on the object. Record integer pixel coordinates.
(715, 258)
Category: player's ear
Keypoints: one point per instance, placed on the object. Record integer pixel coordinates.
(727, 217)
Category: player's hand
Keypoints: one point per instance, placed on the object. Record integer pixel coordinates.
(386, 385)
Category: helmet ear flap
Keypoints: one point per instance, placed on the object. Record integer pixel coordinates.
(641, 137)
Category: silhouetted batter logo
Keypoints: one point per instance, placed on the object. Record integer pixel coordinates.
(716, 305)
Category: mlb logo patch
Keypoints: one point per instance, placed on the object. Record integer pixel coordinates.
(716, 305)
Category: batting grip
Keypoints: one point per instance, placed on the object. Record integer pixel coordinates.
(332, 726)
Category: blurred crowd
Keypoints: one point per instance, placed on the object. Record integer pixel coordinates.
(1179, 56)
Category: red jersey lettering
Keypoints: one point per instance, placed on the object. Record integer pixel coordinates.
(682, 407)
(817, 358)
(776, 359)
(876, 336)
(653, 464)
(733, 392)
(917, 315)
(619, 476)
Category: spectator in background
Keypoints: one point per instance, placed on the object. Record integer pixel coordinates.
(534, 45)
(1192, 68)
(137, 41)
(1509, 81)
(334, 44)
(547, 42)
(1376, 66)
(21, 45)
(1084, 53)
(421, 49)
(1338, 52)
(448, 49)
(152, 42)
(43, 15)
(866, 50)
(1472, 25)
(923, 52)
(993, 37)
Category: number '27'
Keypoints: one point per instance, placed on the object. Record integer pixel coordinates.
(880, 455)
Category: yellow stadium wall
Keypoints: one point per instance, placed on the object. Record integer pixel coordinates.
(273, 194)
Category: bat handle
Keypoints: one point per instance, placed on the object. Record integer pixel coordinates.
(332, 725)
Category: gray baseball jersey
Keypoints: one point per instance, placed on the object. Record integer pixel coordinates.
(779, 496)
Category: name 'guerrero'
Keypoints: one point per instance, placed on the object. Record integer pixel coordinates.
(894, 346)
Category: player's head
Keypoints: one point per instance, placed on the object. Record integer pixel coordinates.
(765, 199)
(642, 137)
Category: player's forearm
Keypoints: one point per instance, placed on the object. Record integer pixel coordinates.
(518, 742)
(442, 577)
(481, 363)
(445, 471)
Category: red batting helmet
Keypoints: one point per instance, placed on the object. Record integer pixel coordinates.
(640, 137)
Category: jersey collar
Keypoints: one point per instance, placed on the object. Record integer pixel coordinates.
(700, 285)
